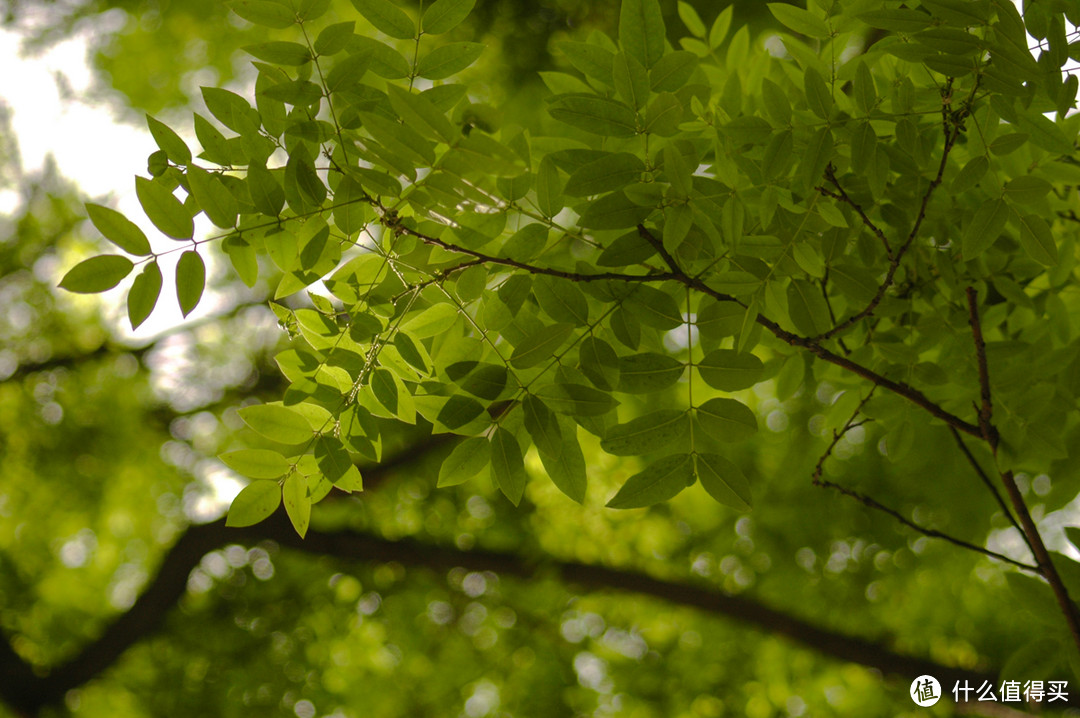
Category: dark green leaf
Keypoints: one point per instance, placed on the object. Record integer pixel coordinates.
(576, 399)
(645, 434)
(97, 274)
(672, 71)
(540, 345)
(726, 419)
(567, 470)
(729, 370)
(542, 426)
(660, 481)
(599, 115)
(267, 14)
(648, 372)
(507, 465)
(724, 481)
(807, 307)
(800, 20)
(214, 199)
(279, 53)
(169, 142)
(1037, 239)
(984, 228)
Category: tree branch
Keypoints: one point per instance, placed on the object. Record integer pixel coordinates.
(24, 690)
(990, 433)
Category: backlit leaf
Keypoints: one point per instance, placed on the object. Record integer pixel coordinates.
(118, 229)
(190, 280)
(277, 423)
(255, 502)
(96, 274)
(660, 481)
(143, 295)
(256, 463)
(166, 212)
(724, 481)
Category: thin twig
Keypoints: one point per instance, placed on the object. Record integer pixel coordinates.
(871, 503)
(842, 196)
(989, 484)
(837, 435)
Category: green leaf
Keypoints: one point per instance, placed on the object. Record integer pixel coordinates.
(465, 461)
(799, 20)
(1037, 239)
(255, 502)
(332, 39)
(865, 92)
(1026, 189)
(215, 200)
(663, 115)
(548, 188)
(540, 345)
(190, 280)
(729, 370)
(777, 105)
(434, 320)
(726, 419)
(279, 53)
(1045, 134)
(724, 481)
(444, 15)
(819, 151)
(143, 295)
(118, 229)
(542, 426)
(166, 212)
(266, 192)
(645, 434)
(334, 461)
(691, 19)
(1007, 144)
(576, 399)
(350, 206)
(599, 115)
(174, 147)
(561, 300)
(420, 114)
(660, 481)
(631, 80)
(229, 108)
(984, 228)
(807, 307)
(672, 71)
(897, 20)
(591, 60)
(267, 14)
(567, 470)
(487, 381)
(678, 173)
(614, 211)
(818, 95)
(256, 463)
(97, 274)
(507, 465)
(446, 60)
(718, 32)
(599, 363)
(386, 16)
(654, 308)
(277, 423)
(641, 31)
(970, 174)
(648, 372)
(297, 502)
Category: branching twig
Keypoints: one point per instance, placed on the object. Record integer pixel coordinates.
(837, 435)
(986, 408)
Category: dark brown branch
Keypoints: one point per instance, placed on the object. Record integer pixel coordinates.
(837, 435)
(986, 410)
(27, 692)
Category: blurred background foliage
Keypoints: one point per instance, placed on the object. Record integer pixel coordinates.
(106, 456)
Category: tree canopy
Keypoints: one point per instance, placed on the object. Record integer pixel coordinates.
(733, 356)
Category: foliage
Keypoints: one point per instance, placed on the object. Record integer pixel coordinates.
(878, 212)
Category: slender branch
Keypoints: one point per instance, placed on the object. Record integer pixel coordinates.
(986, 408)
(933, 533)
(837, 435)
(26, 691)
(842, 196)
(989, 484)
